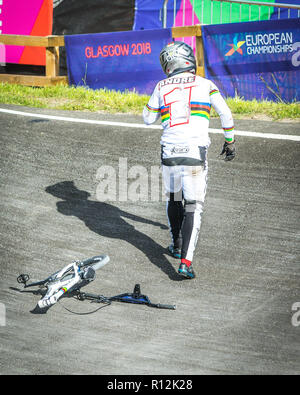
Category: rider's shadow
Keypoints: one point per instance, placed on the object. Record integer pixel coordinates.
(109, 221)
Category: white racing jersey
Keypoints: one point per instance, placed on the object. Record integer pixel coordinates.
(184, 102)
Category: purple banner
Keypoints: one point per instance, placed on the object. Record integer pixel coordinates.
(117, 61)
(255, 60)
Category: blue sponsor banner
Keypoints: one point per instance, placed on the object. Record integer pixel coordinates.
(255, 60)
(117, 61)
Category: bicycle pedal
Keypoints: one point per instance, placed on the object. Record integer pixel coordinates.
(23, 278)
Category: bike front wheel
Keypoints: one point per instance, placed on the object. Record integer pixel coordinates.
(95, 262)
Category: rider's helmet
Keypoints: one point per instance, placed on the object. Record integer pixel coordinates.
(177, 57)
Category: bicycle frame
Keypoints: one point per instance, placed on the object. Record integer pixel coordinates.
(73, 276)
(59, 287)
(57, 284)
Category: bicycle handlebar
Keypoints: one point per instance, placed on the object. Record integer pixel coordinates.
(163, 306)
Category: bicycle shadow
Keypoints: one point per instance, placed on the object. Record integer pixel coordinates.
(109, 221)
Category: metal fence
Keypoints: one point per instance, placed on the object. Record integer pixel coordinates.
(227, 11)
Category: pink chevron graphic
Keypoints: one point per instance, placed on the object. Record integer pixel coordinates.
(186, 18)
(18, 17)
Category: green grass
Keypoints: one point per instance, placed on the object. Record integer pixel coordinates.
(82, 99)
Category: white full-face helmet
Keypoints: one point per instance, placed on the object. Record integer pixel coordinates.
(177, 57)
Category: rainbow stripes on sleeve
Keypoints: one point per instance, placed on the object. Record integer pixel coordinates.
(213, 92)
(152, 109)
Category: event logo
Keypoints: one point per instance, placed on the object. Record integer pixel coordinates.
(262, 43)
(269, 43)
(236, 46)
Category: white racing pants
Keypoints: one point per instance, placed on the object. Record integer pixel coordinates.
(185, 188)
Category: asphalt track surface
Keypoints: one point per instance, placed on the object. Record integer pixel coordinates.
(236, 317)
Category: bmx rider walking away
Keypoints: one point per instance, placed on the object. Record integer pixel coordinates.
(183, 101)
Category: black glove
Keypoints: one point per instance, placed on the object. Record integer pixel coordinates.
(228, 150)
